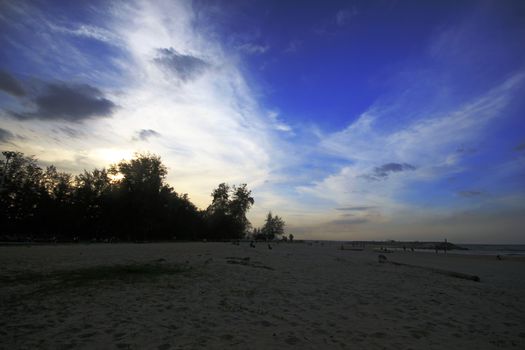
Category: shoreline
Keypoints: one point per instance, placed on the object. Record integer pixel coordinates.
(425, 247)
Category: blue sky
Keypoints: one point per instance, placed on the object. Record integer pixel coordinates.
(351, 119)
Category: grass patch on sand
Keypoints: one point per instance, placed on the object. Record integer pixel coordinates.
(129, 273)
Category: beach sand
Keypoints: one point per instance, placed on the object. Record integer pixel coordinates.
(223, 296)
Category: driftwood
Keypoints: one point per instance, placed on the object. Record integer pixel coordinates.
(352, 249)
(442, 272)
(383, 251)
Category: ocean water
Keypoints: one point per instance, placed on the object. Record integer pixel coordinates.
(472, 249)
(481, 249)
(492, 249)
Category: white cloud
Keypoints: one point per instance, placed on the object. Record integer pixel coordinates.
(211, 128)
(343, 17)
(252, 49)
(293, 46)
(429, 144)
(429, 141)
(88, 31)
(277, 123)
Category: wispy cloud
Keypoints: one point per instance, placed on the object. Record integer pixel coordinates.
(184, 94)
(88, 31)
(51, 45)
(70, 132)
(293, 46)
(470, 193)
(253, 49)
(196, 111)
(277, 123)
(343, 17)
(430, 135)
(355, 208)
(336, 22)
(356, 221)
(431, 142)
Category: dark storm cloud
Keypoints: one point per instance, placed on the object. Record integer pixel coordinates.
(5, 135)
(145, 134)
(356, 208)
(384, 170)
(470, 194)
(71, 102)
(520, 147)
(183, 66)
(9, 84)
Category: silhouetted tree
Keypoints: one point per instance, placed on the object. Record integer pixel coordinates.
(23, 194)
(221, 199)
(91, 197)
(129, 201)
(57, 209)
(226, 215)
(138, 195)
(241, 202)
(273, 227)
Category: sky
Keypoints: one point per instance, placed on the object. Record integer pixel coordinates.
(352, 120)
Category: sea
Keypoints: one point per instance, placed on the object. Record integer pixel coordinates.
(481, 249)
(492, 249)
(472, 249)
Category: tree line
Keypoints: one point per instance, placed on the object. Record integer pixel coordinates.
(128, 201)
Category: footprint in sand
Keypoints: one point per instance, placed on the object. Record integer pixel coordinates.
(379, 335)
(87, 335)
(418, 334)
(292, 340)
(69, 346)
(227, 337)
(75, 330)
(265, 323)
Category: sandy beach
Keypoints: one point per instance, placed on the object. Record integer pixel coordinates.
(222, 296)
